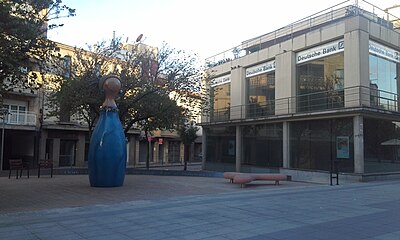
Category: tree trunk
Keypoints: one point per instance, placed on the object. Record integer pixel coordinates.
(148, 151)
(186, 156)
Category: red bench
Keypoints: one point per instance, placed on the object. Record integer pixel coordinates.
(244, 178)
(230, 175)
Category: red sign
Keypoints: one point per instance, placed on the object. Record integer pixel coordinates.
(160, 141)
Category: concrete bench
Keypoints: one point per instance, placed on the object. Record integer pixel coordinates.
(244, 178)
(230, 175)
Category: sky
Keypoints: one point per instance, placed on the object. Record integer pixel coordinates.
(205, 27)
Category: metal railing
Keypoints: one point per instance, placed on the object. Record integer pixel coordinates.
(21, 118)
(322, 101)
(323, 18)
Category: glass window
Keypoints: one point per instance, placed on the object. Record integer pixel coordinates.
(67, 66)
(313, 144)
(320, 84)
(383, 76)
(261, 95)
(17, 114)
(220, 102)
(381, 145)
(221, 145)
(67, 153)
(262, 145)
(5, 115)
(174, 151)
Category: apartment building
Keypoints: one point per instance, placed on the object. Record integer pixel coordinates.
(315, 94)
(30, 134)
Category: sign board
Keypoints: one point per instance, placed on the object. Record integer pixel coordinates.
(320, 51)
(342, 147)
(220, 80)
(383, 51)
(261, 68)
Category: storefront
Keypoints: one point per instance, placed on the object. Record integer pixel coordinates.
(220, 96)
(325, 94)
(320, 77)
(260, 82)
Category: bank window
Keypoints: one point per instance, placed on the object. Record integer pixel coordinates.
(320, 84)
(220, 102)
(383, 76)
(261, 95)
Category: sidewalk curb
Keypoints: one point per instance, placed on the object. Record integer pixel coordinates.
(129, 171)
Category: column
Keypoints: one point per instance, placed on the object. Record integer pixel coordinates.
(238, 148)
(56, 152)
(42, 146)
(286, 144)
(80, 150)
(132, 150)
(356, 69)
(358, 128)
(203, 149)
(156, 157)
(285, 83)
(137, 152)
(238, 93)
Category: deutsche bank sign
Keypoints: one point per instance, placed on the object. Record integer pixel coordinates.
(383, 51)
(320, 51)
(220, 80)
(261, 68)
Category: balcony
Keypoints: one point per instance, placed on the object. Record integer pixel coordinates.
(323, 102)
(21, 118)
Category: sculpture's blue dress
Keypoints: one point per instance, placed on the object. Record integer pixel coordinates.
(107, 151)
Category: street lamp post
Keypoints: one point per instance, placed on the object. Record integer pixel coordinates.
(4, 112)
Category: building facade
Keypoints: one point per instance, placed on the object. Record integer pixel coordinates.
(29, 134)
(320, 91)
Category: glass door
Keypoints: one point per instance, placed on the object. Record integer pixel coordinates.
(67, 153)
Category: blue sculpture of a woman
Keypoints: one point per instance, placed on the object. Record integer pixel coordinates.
(107, 149)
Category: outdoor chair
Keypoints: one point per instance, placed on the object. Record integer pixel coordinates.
(18, 165)
(45, 163)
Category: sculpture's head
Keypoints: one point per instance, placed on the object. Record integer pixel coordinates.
(111, 85)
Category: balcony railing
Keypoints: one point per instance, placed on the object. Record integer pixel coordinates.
(21, 118)
(320, 19)
(318, 102)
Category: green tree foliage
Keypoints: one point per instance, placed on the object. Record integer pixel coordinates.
(76, 85)
(153, 81)
(188, 134)
(23, 42)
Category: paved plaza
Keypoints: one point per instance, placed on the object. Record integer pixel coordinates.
(177, 207)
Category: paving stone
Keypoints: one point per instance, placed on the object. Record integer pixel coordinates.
(167, 207)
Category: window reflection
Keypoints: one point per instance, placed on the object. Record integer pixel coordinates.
(221, 147)
(313, 144)
(383, 82)
(320, 84)
(262, 145)
(381, 145)
(261, 95)
(220, 102)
